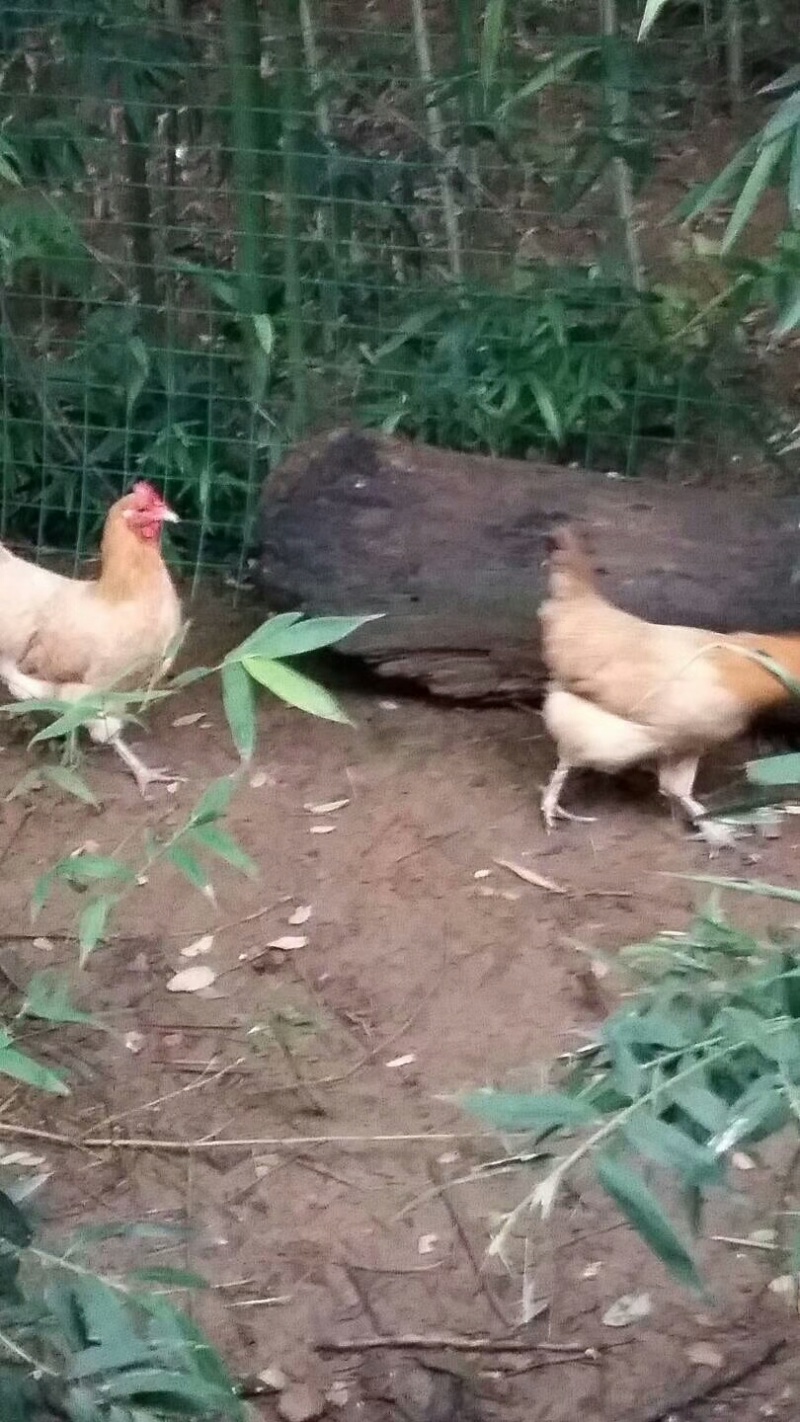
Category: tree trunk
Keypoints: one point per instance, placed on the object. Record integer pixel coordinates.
(451, 547)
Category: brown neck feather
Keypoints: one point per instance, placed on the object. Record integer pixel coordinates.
(756, 686)
(127, 562)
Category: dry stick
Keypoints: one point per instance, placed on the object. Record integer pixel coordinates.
(442, 1186)
(25, 936)
(699, 1392)
(204, 1143)
(456, 1342)
(233, 922)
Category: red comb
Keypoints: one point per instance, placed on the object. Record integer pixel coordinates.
(145, 491)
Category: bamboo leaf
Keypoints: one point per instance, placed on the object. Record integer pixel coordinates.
(413, 325)
(265, 333)
(23, 1068)
(238, 699)
(784, 81)
(547, 409)
(92, 924)
(184, 1394)
(790, 317)
(89, 868)
(189, 867)
(252, 643)
(758, 181)
(292, 638)
(295, 689)
(215, 801)
(652, 10)
(746, 886)
(72, 784)
(640, 1206)
(707, 194)
(786, 116)
(666, 1145)
(774, 770)
(528, 1111)
(549, 73)
(47, 997)
(225, 847)
(189, 677)
(14, 1228)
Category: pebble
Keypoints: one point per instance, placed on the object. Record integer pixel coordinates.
(301, 1403)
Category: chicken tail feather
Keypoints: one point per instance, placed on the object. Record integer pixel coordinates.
(571, 570)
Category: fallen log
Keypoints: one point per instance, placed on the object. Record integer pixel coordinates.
(451, 548)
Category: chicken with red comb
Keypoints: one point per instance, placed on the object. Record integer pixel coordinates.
(64, 638)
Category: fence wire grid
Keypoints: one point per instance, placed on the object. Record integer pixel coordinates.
(224, 225)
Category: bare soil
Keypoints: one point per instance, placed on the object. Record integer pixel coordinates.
(428, 969)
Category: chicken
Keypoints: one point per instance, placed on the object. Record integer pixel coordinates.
(62, 639)
(624, 691)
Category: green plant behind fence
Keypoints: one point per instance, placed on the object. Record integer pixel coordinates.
(223, 225)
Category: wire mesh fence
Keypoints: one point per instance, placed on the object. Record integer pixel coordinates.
(225, 224)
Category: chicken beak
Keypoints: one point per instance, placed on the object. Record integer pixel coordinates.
(169, 516)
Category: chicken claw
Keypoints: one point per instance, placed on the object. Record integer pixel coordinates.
(717, 834)
(552, 809)
(144, 775)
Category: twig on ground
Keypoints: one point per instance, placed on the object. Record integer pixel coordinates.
(456, 1342)
(484, 1283)
(205, 1143)
(709, 1387)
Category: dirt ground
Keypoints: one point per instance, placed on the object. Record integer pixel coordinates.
(428, 969)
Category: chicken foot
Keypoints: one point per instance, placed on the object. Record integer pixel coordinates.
(552, 808)
(676, 780)
(107, 731)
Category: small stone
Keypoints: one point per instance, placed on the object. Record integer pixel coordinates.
(273, 1379)
(338, 1394)
(301, 1403)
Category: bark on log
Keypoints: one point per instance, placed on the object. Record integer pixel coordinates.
(451, 548)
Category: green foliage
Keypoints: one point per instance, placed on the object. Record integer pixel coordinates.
(47, 999)
(151, 343)
(83, 1347)
(622, 84)
(94, 1348)
(259, 661)
(572, 364)
(702, 1059)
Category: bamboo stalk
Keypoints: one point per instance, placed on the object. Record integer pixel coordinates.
(243, 43)
(617, 104)
(174, 17)
(467, 59)
(290, 129)
(321, 108)
(734, 54)
(329, 291)
(139, 212)
(436, 136)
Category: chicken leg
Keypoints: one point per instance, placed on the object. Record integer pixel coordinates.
(104, 730)
(676, 780)
(552, 808)
(107, 731)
